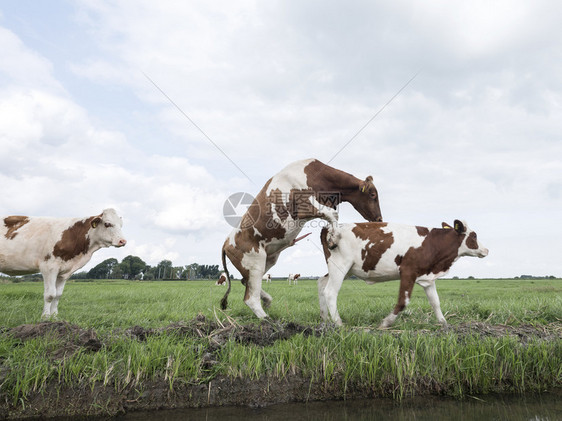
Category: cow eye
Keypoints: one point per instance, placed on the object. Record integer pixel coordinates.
(108, 225)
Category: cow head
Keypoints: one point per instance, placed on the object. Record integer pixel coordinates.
(106, 229)
(470, 245)
(366, 200)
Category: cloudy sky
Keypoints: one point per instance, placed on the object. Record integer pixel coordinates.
(164, 109)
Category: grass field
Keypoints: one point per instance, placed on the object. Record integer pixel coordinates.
(108, 304)
(416, 356)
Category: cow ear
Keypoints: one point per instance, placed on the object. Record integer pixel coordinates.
(446, 226)
(459, 227)
(364, 184)
(96, 221)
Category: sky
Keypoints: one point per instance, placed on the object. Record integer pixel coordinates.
(164, 109)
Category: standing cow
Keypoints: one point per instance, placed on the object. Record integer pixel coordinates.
(293, 278)
(56, 247)
(380, 252)
(221, 280)
(302, 191)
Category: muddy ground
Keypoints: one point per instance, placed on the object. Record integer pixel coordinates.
(221, 391)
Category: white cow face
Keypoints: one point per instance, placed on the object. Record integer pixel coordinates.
(107, 229)
(470, 245)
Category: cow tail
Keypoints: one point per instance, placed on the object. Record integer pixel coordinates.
(224, 301)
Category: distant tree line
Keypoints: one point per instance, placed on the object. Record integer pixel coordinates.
(133, 267)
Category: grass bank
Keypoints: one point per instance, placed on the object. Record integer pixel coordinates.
(139, 345)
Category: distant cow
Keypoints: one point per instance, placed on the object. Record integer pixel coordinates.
(56, 247)
(267, 278)
(221, 280)
(293, 278)
(380, 252)
(302, 191)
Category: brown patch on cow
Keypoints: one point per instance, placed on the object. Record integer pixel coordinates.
(324, 241)
(422, 231)
(471, 241)
(276, 198)
(300, 205)
(398, 260)
(332, 186)
(13, 223)
(47, 257)
(436, 254)
(378, 242)
(74, 240)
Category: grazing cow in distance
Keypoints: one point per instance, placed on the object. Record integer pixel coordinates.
(56, 247)
(293, 278)
(267, 278)
(221, 280)
(302, 191)
(380, 252)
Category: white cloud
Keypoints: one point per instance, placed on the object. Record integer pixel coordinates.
(476, 135)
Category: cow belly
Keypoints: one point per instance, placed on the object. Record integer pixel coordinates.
(379, 274)
(16, 265)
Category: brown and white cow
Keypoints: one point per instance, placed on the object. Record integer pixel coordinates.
(221, 280)
(56, 247)
(267, 278)
(380, 252)
(293, 278)
(302, 191)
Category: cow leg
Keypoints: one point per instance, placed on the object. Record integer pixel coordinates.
(269, 262)
(431, 293)
(254, 293)
(61, 281)
(322, 282)
(329, 289)
(406, 286)
(49, 292)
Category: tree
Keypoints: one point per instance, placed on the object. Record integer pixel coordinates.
(164, 269)
(131, 266)
(209, 271)
(103, 270)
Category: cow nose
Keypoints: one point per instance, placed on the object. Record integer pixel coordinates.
(379, 219)
(122, 242)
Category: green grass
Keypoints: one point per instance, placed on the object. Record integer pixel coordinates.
(395, 363)
(105, 305)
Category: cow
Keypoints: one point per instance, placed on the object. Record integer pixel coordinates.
(221, 280)
(293, 278)
(56, 247)
(380, 252)
(302, 191)
(267, 278)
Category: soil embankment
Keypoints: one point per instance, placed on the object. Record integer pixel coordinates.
(96, 399)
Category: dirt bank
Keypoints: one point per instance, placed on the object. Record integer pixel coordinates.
(156, 394)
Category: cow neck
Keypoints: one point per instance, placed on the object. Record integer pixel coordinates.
(322, 178)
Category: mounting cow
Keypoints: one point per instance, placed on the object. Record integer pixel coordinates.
(56, 247)
(302, 191)
(380, 252)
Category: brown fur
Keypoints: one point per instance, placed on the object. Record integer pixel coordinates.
(377, 243)
(471, 241)
(74, 240)
(13, 223)
(436, 254)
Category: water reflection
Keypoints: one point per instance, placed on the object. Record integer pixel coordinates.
(542, 407)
